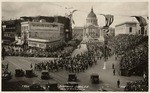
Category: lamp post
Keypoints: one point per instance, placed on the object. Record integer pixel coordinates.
(105, 29)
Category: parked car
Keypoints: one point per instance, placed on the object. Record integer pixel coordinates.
(19, 73)
(95, 78)
(72, 77)
(29, 73)
(45, 74)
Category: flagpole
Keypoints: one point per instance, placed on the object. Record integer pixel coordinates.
(108, 21)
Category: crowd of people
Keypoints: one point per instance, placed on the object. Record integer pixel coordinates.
(62, 51)
(135, 57)
(99, 50)
(125, 42)
(132, 50)
(139, 85)
(76, 64)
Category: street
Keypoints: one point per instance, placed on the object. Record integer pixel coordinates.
(107, 80)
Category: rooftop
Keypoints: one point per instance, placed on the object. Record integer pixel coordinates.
(127, 22)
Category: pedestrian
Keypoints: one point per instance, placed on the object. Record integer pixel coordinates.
(114, 71)
(118, 83)
(3, 53)
(7, 66)
(31, 66)
(113, 66)
(115, 58)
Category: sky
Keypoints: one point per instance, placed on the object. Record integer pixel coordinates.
(121, 10)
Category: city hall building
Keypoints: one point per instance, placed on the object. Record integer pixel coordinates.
(42, 34)
(91, 31)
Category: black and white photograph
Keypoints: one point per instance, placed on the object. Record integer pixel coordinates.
(74, 46)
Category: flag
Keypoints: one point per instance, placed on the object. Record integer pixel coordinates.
(141, 20)
(109, 19)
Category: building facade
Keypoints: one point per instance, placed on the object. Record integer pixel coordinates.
(42, 34)
(91, 29)
(130, 28)
(54, 19)
(11, 29)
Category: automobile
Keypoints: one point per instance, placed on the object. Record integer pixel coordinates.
(95, 78)
(72, 77)
(19, 73)
(45, 74)
(36, 87)
(29, 73)
(52, 86)
(6, 75)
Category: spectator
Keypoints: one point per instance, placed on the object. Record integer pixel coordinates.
(118, 83)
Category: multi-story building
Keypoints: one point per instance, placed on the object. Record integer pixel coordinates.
(57, 19)
(10, 29)
(42, 34)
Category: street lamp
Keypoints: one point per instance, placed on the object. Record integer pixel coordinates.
(105, 29)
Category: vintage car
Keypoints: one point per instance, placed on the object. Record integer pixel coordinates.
(72, 77)
(36, 87)
(29, 73)
(6, 75)
(19, 73)
(95, 78)
(45, 74)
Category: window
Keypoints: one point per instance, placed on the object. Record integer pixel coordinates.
(130, 30)
(139, 32)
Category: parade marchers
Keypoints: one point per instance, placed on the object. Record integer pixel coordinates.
(126, 47)
(76, 64)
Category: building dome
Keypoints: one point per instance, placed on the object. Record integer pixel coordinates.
(91, 18)
(91, 14)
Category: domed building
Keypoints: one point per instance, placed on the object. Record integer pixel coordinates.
(91, 31)
(91, 18)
